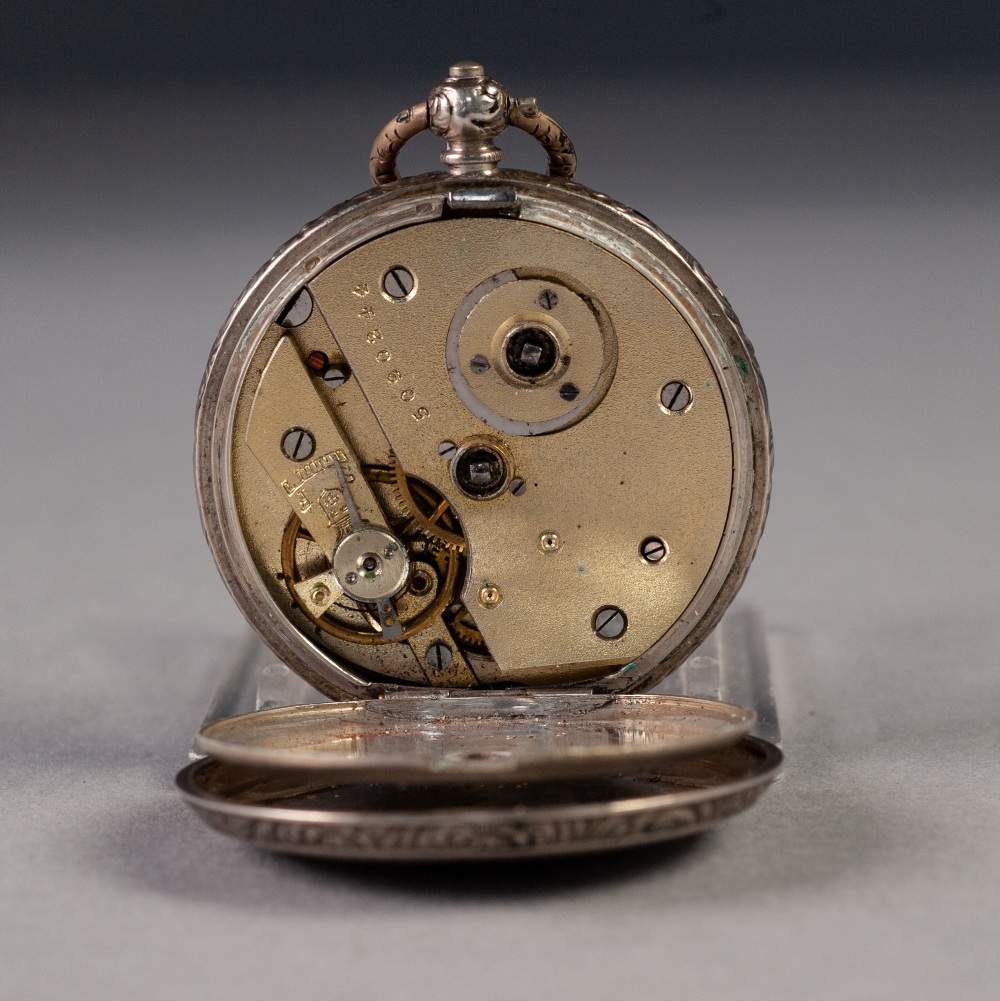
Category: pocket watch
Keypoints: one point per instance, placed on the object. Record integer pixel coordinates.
(482, 455)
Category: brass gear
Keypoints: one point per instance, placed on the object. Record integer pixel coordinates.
(430, 514)
(465, 630)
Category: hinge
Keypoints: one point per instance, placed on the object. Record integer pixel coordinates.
(482, 200)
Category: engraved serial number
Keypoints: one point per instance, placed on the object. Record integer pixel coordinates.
(383, 355)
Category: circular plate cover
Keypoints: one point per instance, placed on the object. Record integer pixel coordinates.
(470, 738)
(479, 821)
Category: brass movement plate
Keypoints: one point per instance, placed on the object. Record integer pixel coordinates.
(620, 469)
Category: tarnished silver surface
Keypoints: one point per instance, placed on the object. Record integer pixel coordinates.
(495, 819)
(479, 821)
(460, 738)
(731, 665)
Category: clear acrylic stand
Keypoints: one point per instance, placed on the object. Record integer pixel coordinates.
(731, 665)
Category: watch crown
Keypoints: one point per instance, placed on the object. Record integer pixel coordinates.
(469, 110)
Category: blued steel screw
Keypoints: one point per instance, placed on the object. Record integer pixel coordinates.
(297, 444)
(610, 622)
(336, 375)
(439, 656)
(675, 396)
(547, 299)
(398, 282)
(653, 549)
(569, 392)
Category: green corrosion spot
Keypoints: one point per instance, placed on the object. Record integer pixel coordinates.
(628, 667)
(741, 363)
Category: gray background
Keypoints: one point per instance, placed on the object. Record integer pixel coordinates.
(833, 166)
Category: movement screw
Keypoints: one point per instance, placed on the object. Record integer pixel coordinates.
(297, 311)
(653, 550)
(479, 364)
(547, 299)
(518, 486)
(439, 656)
(297, 444)
(447, 449)
(610, 622)
(398, 283)
(569, 392)
(336, 375)
(675, 397)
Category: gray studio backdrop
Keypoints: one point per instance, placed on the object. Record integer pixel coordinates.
(833, 167)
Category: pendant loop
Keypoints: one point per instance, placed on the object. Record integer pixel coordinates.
(469, 110)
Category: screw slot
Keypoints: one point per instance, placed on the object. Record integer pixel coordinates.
(610, 622)
(438, 656)
(336, 375)
(518, 487)
(297, 444)
(298, 310)
(569, 392)
(654, 549)
(675, 397)
(547, 299)
(398, 283)
(479, 364)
